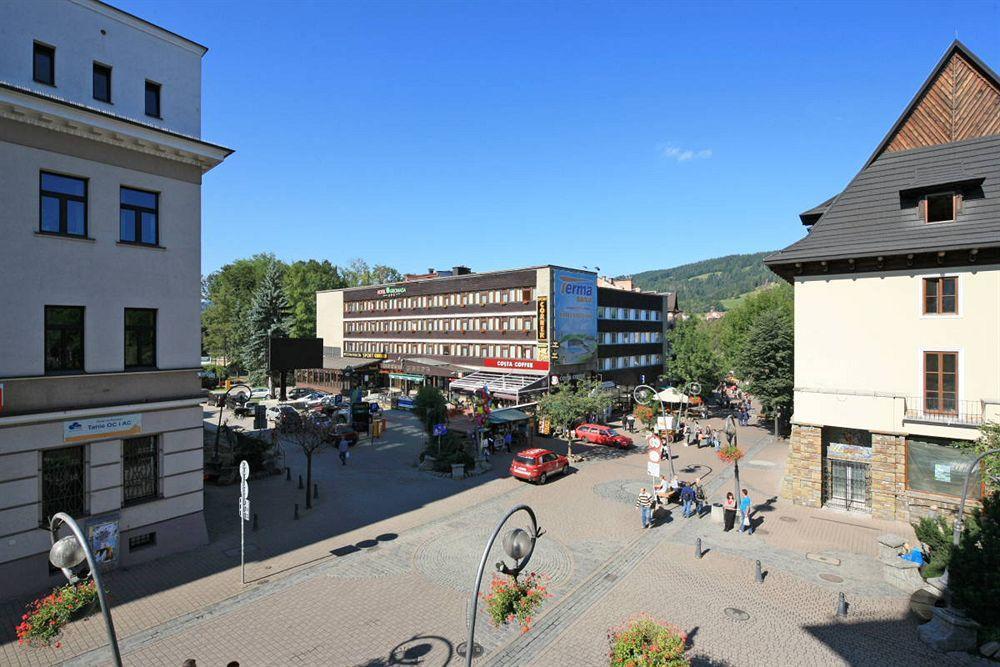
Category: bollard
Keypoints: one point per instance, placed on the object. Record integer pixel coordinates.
(296, 511)
(288, 474)
(842, 606)
(315, 490)
(759, 575)
(697, 548)
(300, 483)
(254, 521)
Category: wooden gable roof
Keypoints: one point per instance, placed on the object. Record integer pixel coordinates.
(960, 100)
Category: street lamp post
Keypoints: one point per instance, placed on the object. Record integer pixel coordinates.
(222, 408)
(71, 551)
(518, 544)
(644, 395)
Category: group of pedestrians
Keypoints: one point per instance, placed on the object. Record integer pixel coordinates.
(492, 442)
(692, 499)
(695, 434)
(730, 508)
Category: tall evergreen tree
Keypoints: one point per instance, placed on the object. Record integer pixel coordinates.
(766, 360)
(269, 317)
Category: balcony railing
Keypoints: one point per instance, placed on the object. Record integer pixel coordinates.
(947, 411)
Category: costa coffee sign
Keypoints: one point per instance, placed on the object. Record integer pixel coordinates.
(517, 364)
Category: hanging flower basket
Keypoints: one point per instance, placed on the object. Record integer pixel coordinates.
(646, 642)
(46, 616)
(512, 599)
(730, 454)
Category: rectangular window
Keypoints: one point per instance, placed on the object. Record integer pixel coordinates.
(152, 99)
(939, 208)
(941, 382)
(63, 339)
(44, 64)
(102, 82)
(62, 205)
(140, 479)
(934, 465)
(140, 338)
(940, 296)
(62, 482)
(139, 216)
(136, 542)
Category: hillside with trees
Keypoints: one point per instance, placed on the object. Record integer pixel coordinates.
(718, 283)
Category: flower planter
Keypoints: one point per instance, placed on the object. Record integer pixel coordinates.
(457, 470)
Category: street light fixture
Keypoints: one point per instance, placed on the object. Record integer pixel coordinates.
(71, 551)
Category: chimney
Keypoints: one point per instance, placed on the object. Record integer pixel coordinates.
(461, 270)
(431, 270)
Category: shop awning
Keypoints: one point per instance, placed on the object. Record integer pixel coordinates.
(507, 416)
(503, 385)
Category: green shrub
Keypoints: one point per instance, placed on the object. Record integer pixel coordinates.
(453, 450)
(645, 642)
(936, 534)
(974, 573)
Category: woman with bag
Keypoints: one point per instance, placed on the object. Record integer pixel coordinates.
(729, 512)
(745, 505)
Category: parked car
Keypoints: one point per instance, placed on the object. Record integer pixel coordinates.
(245, 409)
(538, 465)
(339, 431)
(260, 393)
(308, 401)
(296, 393)
(601, 435)
(283, 415)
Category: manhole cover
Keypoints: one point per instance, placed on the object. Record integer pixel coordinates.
(826, 576)
(787, 519)
(737, 614)
(477, 650)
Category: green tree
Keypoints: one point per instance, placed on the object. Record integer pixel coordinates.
(227, 294)
(766, 360)
(268, 318)
(734, 328)
(974, 570)
(695, 356)
(358, 274)
(989, 440)
(302, 280)
(430, 406)
(571, 403)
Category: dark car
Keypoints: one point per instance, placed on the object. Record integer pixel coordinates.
(338, 431)
(538, 465)
(284, 416)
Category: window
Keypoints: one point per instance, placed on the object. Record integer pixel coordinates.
(44, 64)
(139, 217)
(934, 465)
(139, 469)
(940, 296)
(136, 542)
(939, 207)
(62, 482)
(940, 382)
(62, 205)
(152, 99)
(63, 339)
(140, 338)
(102, 82)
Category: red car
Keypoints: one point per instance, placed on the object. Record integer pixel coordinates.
(601, 435)
(538, 465)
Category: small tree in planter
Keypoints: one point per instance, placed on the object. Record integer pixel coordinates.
(571, 403)
(511, 599)
(646, 414)
(646, 642)
(46, 616)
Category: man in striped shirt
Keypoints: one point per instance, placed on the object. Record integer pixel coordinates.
(645, 503)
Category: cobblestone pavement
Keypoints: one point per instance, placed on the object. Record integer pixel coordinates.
(379, 572)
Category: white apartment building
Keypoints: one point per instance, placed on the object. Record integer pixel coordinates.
(101, 164)
(897, 309)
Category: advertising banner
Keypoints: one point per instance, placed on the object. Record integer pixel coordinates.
(79, 430)
(517, 364)
(542, 312)
(574, 321)
(102, 533)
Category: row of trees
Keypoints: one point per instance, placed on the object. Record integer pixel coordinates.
(755, 341)
(250, 300)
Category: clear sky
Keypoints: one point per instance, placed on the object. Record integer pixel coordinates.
(625, 135)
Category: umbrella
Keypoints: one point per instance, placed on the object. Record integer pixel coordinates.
(671, 395)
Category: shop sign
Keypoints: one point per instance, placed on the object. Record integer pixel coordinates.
(542, 312)
(406, 376)
(852, 452)
(87, 429)
(543, 353)
(942, 472)
(367, 355)
(517, 364)
(390, 291)
(103, 536)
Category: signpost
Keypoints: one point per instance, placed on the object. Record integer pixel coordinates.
(653, 469)
(439, 430)
(244, 513)
(646, 395)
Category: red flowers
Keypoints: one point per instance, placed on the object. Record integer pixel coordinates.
(730, 454)
(510, 600)
(46, 616)
(644, 642)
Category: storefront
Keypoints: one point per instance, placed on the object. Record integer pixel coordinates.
(847, 455)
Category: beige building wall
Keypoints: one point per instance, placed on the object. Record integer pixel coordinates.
(330, 320)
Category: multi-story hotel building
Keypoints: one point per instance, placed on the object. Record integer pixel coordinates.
(101, 164)
(897, 308)
(511, 330)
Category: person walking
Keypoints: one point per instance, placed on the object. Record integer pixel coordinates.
(729, 512)
(687, 498)
(645, 504)
(508, 438)
(699, 496)
(343, 451)
(745, 505)
(487, 445)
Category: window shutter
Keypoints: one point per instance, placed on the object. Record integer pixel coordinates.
(922, 209)
(957, 203)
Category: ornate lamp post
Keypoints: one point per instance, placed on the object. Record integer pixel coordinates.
(71, 551)
(518, 544)
(222, 408)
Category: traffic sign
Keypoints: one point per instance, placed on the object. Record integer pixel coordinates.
(654, 455)
(653, 469)
(244, 470)
(440, 429)
(654, 442)
(373, 408)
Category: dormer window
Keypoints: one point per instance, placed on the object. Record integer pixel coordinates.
(940, 207)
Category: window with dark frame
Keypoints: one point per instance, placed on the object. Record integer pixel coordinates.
(152, 99)
(140, 479)
(64, 339)
(62, 205)
(102, 82)
(140, 338)
(138, 217)
(136, 542)
(43, 68)
(939, 207)
(941, 382)
(62, 482)
(941, 296)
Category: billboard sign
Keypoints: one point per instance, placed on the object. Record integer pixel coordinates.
(542, 312)
(117, 426)
(289, 354)
(574, 320)
(517, 364)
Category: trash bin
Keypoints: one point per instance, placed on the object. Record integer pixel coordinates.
(718, 514)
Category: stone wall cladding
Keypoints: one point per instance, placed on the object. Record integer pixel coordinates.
(803, 481)
(888, 472)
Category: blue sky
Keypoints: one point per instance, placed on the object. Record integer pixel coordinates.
(629, 136)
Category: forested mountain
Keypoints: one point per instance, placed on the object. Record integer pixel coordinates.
(719, 282)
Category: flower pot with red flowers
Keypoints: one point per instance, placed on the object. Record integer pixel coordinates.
(730, 454)
(646, 642)
(46, 616)
(515, 600)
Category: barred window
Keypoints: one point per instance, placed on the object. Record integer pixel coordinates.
(62, 482)
(139, 469)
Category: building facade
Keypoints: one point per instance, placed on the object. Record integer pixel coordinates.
(511, 330)
(101, 164)
(897, 305)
